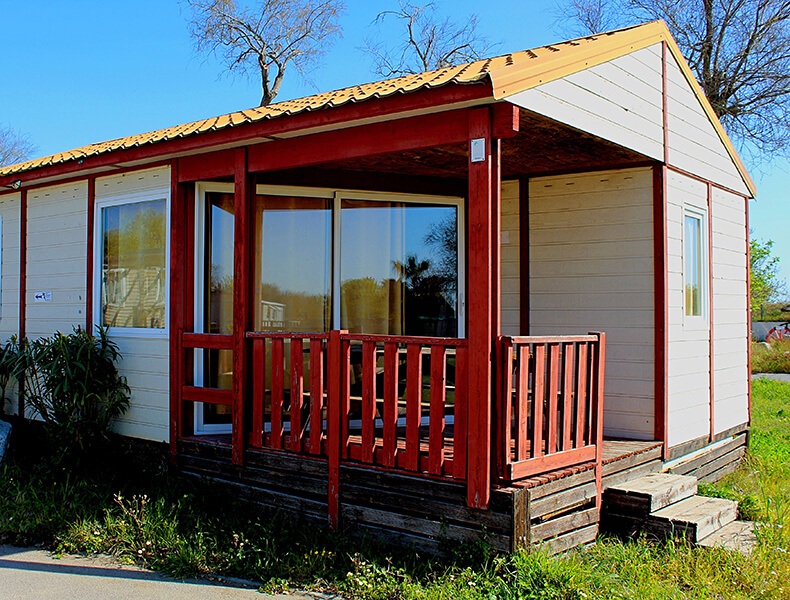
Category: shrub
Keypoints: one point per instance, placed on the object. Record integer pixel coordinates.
(771, 358)
(72, 383)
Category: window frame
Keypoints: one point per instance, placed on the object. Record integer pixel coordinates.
(700, 214)
(98, 260)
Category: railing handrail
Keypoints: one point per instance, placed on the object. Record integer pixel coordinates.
(207, 341)
(547, 339)
(403, 339)
(297, 335)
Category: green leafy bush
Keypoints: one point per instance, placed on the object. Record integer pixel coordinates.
(771, 358)
(71, 382)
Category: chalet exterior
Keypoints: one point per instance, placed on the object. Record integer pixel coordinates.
(375, 305)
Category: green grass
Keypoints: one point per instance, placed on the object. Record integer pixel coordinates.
(134, 508)
(771, 358)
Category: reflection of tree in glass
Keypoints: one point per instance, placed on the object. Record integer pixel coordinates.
(442, 237)
(428, 298)
(300, 311)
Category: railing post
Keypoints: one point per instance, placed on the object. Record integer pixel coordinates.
(600, 372)
(335, 375)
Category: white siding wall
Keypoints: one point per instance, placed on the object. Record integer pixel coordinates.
(688, 381)
(694, 145)
(619, 100)
(146, 359)
(730, 326)
(57, 238)
(10, 210)
(511, 248)
(591, 269)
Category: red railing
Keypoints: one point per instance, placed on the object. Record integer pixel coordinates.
(550, 406)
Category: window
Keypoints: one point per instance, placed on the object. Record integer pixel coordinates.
(693, 265)
(133, 249)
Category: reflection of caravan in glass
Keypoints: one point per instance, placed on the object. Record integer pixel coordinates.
(272, 315)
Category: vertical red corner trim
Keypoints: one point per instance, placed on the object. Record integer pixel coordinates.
(496, 238)
(710, 306)
(748, 308)
(523, 214)
(177, 285)
(479, 313)
(661, 316)
(241, 297)
(91, 228)
(22, 284)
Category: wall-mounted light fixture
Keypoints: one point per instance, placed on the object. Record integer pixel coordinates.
(16, 184)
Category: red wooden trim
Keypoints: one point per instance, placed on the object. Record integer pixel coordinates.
(89, 280)
(423, 99)
(404, 339)
(368, 400)
(557, 460)
(718, 186)
(496, 238)
(504, 360)
(425, 131)
(748, 309)
(209, 341)
(242, 320)
(190, 393)
(460, 432)
(278, 391)
(438, 394)
(664, 96)
(316, 394)
(600, 377)
(522, 404)
(505, 120)
(345, 392)
(333, 434)
(187, 193)
(567, 395)
(413, 405)
(581, 394)
(479, 333)
(661, 307)
(538, 393)
(389, 414)
(554, 386)
(710, 308)
(549, 339)
(297, 393)
(210, 165)
(177, 261)
(22, 265)
(258, 390)
(265, 335)
(523, 217)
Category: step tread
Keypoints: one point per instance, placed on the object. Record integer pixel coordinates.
(738, 536)
(696, 517)
(651, 492)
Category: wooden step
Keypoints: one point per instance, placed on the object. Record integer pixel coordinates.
(738, 536)
(640, 497)
(694, 518)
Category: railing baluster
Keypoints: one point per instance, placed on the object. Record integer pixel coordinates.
(413, 405)
(506, 425)
(297, 390)
(538, 392)
(316, 394)
(581, 393)
(554, 384)
(390, 410)
(345, 395)
(459, 414)
(436, 418)
(368, 400)
(522, 403)
(278, 390)
(567, 395)
(258, 390)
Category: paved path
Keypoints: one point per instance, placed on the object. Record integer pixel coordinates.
(30, 574)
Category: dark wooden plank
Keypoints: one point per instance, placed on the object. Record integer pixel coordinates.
(403, 482)
(563, 501)
(570, 540)
(565, 524)
(460, 429)
(316, 394)
(336, 393)
(413, 405)
(582, 375)
(258, 390)
(631, 460)
(522, 532)
(278, 391)
(691, 466)
(634, 472)
(389, 414)
(436, 427)
(730, 458)
(538, 393)
(567, 395)
(714, 476)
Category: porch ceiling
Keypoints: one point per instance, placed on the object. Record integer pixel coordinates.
(542, 146)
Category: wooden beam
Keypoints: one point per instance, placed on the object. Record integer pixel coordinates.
(479, 312)
(22, 289)
(505, 120)
(426, 131)
(177, 284)
(660, 314)
(90, 260)
(242, 321)
(207, 166)
(711, 398)
(523, 217)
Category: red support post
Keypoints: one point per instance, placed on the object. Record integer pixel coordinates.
(479, 307)
(89, 280)
(336, 370)
(22, 290)
(241, 298)
(177, 285)
(600, 375)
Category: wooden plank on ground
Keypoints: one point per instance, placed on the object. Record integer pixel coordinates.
(565, 524)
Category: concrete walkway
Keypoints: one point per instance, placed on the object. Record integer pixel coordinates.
(31, 574)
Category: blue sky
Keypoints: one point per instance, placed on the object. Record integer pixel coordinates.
(82, 71)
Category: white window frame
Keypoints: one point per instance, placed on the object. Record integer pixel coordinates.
(700, 320)
(98, 259)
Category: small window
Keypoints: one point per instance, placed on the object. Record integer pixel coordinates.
(693, 270)
(133, 276)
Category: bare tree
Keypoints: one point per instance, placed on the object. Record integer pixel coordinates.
(267, 38)
(739, 51)
(14, 147)
(429, 41)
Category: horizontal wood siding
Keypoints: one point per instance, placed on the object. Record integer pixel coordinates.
(10, 210)
(146, 360)
(57, 237)
(591, 269)
(511, 260)
(730, 326)
(619, 100)
(693, 144)
(688, 381)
